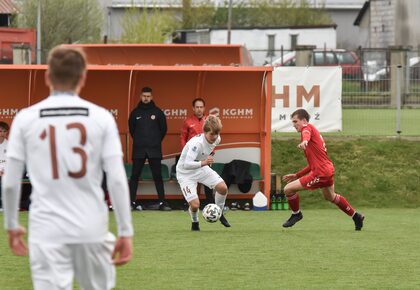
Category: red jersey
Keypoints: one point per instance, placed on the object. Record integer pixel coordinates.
(191, 127)
(316, 152)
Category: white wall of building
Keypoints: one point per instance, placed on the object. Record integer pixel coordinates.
(256, 40)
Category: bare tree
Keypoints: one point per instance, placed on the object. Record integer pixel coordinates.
(63, 21)
(270, 13)
(147, 26)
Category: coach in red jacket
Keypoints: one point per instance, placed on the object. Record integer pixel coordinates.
(193, 126)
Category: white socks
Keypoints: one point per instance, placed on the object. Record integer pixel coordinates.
(194, 215)
(220, 200)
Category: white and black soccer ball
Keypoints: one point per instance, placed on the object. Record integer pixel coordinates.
(212, 213)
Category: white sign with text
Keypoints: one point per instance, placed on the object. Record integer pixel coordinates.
(315, 89)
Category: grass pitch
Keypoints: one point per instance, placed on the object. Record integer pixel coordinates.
(321, 252)
(380, 122)
(373, 122)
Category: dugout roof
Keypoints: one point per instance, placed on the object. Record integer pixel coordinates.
(166, 54)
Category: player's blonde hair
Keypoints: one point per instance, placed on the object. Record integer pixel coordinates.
(66, 65)
(212, 124)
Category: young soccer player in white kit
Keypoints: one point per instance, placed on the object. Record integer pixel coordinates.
(66, 143)
(194, 166)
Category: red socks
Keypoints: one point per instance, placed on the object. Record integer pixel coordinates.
(293, 201)
(339, 200)
(343, 204)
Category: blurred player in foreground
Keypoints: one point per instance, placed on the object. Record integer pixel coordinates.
(66, 143)
(319, 173)
(194, 166)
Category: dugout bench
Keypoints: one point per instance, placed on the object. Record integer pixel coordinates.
(170, 177)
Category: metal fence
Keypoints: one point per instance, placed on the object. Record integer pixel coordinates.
(372, 107)
(371, 87)
(369, 92)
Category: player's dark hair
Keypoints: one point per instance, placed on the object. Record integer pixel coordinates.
(301, 114)
(5, 126)
(66, 65)
(146, 90)
(198, 100)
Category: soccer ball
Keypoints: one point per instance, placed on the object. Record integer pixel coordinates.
(212, 213)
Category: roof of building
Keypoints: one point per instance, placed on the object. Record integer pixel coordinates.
(328, 4)
(7, 7)
(337, 4)
(361, 13)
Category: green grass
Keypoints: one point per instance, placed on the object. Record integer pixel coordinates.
(321, 252)
(368, 172)
(374, 122)
(380, 122)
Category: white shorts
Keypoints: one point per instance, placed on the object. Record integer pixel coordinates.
(204, 175)
(54, 266)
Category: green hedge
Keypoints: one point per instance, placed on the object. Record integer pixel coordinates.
(368, 172)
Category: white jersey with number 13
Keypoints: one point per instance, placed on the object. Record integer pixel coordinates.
(63, 140)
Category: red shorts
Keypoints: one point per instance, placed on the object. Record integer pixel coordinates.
(311, 181)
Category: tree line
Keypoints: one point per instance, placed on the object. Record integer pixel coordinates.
(82, 21)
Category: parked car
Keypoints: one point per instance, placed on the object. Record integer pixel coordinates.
(383, 73)
(288, 59)
(348, 60)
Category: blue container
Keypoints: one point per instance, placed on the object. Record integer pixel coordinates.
(259, 208)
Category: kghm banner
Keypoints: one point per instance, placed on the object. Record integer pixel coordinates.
(315, 89)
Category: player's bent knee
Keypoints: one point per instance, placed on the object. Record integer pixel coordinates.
(194, 205)
(221, 188)
(288, 190)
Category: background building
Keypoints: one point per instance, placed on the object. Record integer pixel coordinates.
(266, 44)
(342, 12)
(7, 10)
(384, 23)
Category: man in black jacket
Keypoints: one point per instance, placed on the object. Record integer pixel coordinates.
(147, 124)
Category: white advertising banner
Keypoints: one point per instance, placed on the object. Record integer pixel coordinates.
(315, 89)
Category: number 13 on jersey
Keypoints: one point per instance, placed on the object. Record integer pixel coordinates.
(50, 133)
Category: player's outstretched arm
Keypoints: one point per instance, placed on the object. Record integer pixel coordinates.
(123, 251)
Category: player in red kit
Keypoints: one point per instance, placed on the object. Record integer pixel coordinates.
(319, 173)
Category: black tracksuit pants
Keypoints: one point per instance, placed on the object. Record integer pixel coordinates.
(155, 166)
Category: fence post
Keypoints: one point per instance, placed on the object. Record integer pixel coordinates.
(304, 55)
(398, 100)
(398, 58)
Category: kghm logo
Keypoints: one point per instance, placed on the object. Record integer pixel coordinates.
(175, 113)
(232, 113)
(215, 112)
(8, 113)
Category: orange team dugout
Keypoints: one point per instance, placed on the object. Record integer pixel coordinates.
(240, 95)
(166, 54)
